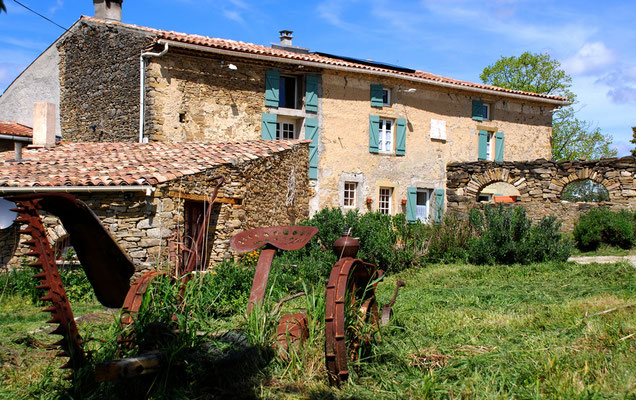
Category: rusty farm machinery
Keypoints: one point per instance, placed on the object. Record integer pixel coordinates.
(350, 288)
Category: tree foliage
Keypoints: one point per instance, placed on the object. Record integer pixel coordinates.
(572, 138)
(2, 7)
(633, 141)
(537, 73)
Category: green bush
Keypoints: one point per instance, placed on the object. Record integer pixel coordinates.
(505, 235)
(604, 226)
(447, 242)
(20, 282)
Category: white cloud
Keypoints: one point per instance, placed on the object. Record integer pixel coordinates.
(233, 16)
(591, 58)
(506, 22)
(58, 5)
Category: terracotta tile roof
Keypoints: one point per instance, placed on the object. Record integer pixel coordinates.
(15, 129)
(251, 48)
(114, 164)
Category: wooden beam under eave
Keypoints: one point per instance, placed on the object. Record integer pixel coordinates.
(205, 197)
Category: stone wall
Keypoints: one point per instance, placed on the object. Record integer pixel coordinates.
(540, 184)
(9, 241)
(255, 194)
(99, 80)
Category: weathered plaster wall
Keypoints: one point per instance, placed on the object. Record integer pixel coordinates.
(268, 191)
(38, 82)
(99, 80)
(540, 184)
(344, 146)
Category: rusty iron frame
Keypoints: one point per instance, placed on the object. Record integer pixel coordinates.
(273, 238)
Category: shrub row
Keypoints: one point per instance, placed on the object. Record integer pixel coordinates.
(604, 226)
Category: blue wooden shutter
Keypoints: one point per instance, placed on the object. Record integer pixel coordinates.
(311, 133)
(268, 131)
(439, 204)
(478, 110)
(411, 204)
(374, 133)
(499, 146)
(400, 142)
(376, 96)
(311, 93)
(272, 86)
(483, 143)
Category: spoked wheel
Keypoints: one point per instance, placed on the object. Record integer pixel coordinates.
(351, 314)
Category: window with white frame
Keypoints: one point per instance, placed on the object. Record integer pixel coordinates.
(349, 198)
(386, 97)
(385, 140)
(489, 145)
(423, 204)
(486, 112)
(384, 203)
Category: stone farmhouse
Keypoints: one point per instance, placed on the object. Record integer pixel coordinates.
(381, 135)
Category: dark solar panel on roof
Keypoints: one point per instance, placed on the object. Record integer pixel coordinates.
(367, 62)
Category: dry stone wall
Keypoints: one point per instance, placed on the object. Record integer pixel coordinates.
(540, 184)
(268, 191)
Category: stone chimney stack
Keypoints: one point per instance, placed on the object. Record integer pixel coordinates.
(108, 9)
(286, 37)
(44, 124)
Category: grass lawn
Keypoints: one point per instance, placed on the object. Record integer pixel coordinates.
(459, 331)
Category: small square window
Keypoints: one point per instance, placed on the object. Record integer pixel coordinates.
(385, 139)
(350, 198)
(386, 97)
(285, 131)
(384, 203)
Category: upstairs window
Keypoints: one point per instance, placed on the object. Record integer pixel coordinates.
(486, 112)
(286, 128)
(385, 144)
(290, 95)
(386, 97)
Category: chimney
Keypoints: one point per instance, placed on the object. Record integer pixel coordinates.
(286, 37)
(108, 9)
(44, 124)
(286, 43)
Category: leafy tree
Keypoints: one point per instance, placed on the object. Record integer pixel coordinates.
(633, 141)
(572, 138)
(2, 7)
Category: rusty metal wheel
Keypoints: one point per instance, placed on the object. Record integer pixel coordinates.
(50, 281)
(132, 304)
(350, 305)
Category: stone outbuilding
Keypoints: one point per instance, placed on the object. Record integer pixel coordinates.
(144, 193)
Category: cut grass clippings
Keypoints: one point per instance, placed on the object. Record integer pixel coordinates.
(459, 331)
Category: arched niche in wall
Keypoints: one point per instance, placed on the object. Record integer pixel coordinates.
(499, 192)
(584, 190)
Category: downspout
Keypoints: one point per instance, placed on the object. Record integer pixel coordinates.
(142, 87)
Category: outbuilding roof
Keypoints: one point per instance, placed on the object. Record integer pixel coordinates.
(251, 49)
(14, 129)
(122, 164)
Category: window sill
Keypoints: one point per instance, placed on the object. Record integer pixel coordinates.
(289, 112)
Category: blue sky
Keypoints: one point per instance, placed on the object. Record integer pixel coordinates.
(594, 41)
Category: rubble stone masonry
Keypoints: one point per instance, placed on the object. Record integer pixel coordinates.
(540, 184)
(99, 83)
